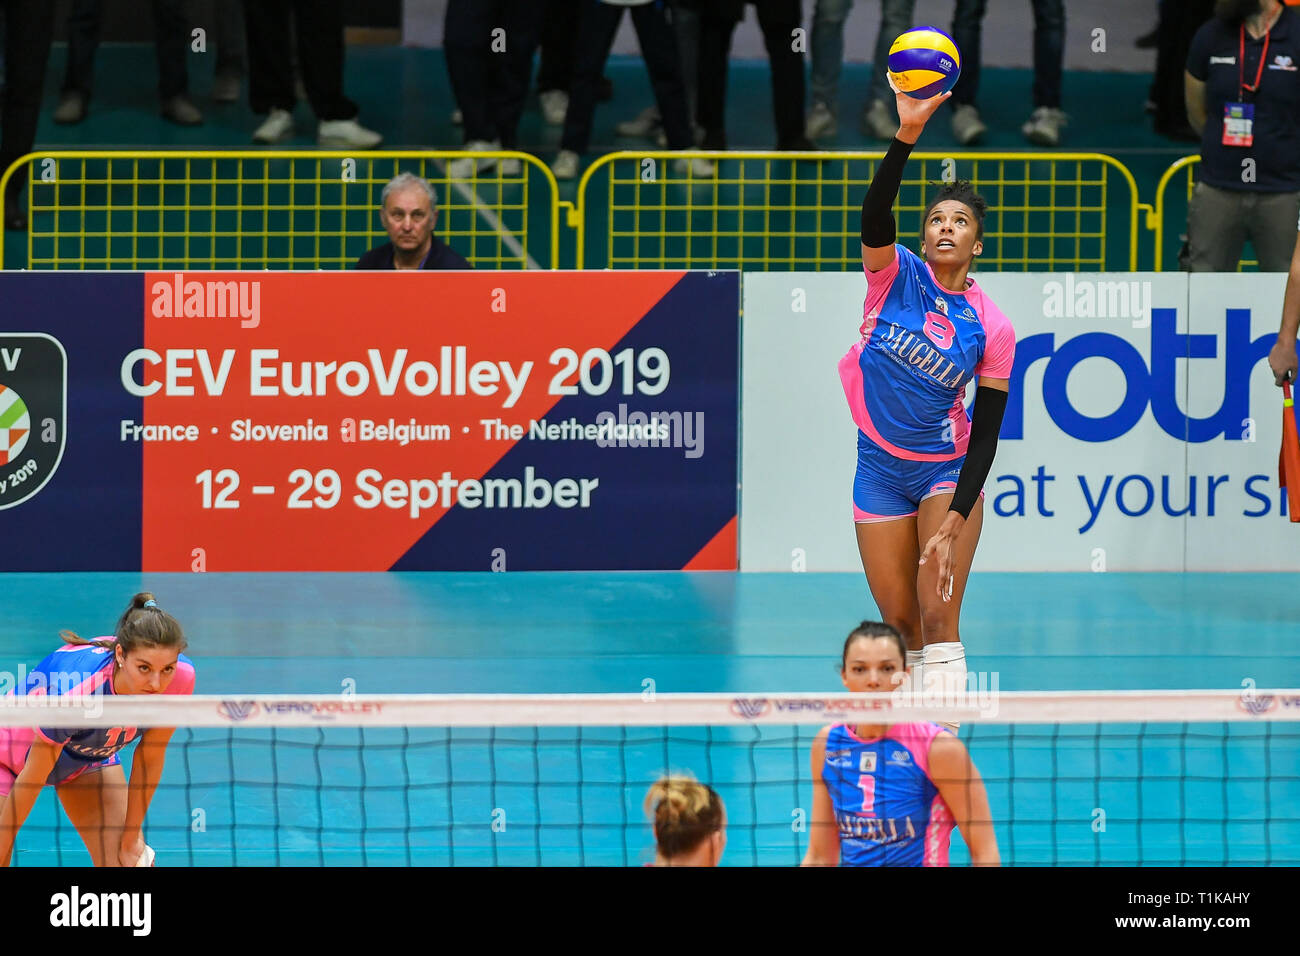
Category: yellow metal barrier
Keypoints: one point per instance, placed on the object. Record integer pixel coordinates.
(801, 210)
(1157, 223)
(274, 209)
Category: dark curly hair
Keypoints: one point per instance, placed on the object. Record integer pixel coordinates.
(964, 192)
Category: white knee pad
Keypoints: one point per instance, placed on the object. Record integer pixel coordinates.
(916, 670)
(944, 673)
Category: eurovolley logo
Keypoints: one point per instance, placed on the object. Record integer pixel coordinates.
(33, 413)
(1256, 704)
(751, 708)
(15, 424)
(237, 709)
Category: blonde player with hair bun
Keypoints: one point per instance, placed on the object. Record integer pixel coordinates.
(690, 822)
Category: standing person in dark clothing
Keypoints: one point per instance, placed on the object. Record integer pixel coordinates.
(778, 19)
(490, 46)
(171, 41)
(320, 55)
(599, 23)
(29, 31)
(1178, 24)
(1044, 125)
(1242, 91)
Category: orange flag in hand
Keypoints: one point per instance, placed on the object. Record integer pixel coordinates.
(1288, 460)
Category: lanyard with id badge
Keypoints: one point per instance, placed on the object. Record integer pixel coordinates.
(1239, 118)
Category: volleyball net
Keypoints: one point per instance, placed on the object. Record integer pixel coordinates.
(1172, 778)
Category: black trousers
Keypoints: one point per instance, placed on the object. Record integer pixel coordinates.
(29, 31)
(654, 32)
(490, 72)
(1178, 25)
(171, 41)
(559, 35)
(777, 19)
(319, 25)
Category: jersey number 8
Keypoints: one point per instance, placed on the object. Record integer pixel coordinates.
(938, 329)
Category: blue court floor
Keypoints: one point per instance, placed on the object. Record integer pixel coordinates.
(1171, 793)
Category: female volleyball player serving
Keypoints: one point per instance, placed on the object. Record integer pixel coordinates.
(927, 330)
(143, 657)
(889, 794)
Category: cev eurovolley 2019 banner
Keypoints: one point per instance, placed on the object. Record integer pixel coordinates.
(1141, 432)
(348, 421)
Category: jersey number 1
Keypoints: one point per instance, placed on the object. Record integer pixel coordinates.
(867, 784)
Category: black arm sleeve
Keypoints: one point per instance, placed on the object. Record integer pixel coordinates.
(986, 423)
(878, 228)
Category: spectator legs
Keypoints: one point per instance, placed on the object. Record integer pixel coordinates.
(1049, 51)
(659, 48)
(1272, 218)
(320, 57)
(270, 74)
(967, 25)
(466, 40)
(171, 42)
(1216, 230)
(29, 31)
(828, 51)
(778, 20)
(715, 47)
(896, 19)
(84, 23)
(596, 28)
(523, 23)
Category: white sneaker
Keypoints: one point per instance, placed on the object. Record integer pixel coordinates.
(347, 133)
(879, 121)
(967, 126)
(821, 122)
(565, 165)
(697, 166)
(647, 122)
(1044, 126)
(555, 103)
(277, 127)
(512, 168)
(662, 138)
(466, 167)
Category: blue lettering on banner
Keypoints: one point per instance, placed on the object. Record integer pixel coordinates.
(1156, 387)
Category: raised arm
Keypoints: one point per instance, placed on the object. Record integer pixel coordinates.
(41, 759)
(878, 227)
(823, 834)
(962, 788)
(146, 771)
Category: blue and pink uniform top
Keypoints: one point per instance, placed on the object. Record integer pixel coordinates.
(905, 379)
(887, 810)
(75, 670)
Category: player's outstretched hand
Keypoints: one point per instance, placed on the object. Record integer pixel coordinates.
(913, 114)
(939, 549)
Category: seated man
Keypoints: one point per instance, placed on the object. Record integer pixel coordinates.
(409, 211)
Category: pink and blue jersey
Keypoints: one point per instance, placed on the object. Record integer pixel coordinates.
(887, 810)
(920, 345)
(75, 670)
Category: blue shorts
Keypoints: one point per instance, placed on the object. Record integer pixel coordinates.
(887, 487)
